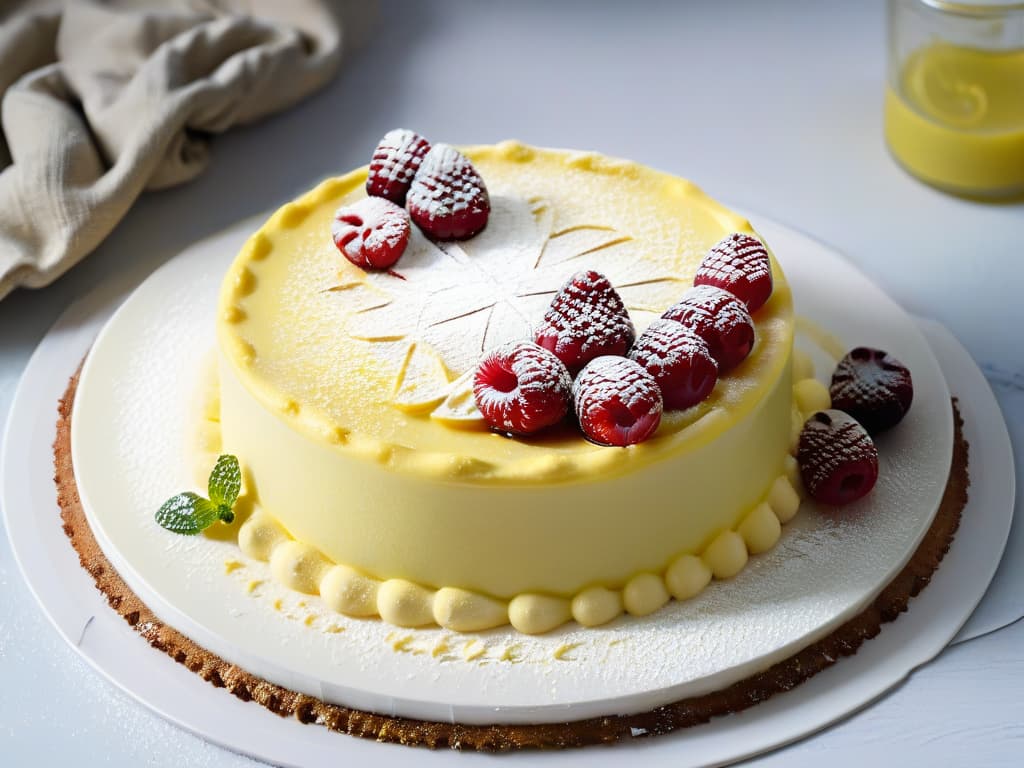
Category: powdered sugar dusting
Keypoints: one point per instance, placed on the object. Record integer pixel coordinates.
(833, 442)
(522, 388)
(394, 164)
(586, 319)
(739, 264)
(720, 319)
(679, 360)
(448, 198)
(664, 345)
(372, 233)
(463, 299)
(617, 401)
(873, 387)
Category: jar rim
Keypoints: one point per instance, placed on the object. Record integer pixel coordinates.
(975, 7)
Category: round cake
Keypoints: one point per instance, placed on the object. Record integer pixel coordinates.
(360, 453)
(371, 478)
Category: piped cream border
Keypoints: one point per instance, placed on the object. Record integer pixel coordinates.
(345, 590)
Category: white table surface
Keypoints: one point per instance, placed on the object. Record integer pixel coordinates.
(773, 107)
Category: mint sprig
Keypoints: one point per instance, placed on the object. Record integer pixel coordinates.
(189, 513)
(224, 484)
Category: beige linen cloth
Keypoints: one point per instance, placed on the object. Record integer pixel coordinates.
(104, 100)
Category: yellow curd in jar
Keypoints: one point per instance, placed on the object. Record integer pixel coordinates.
(955, 119)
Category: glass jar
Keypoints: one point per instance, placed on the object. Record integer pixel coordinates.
(954, 105)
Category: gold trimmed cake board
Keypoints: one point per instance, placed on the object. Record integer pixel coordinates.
(778, 678)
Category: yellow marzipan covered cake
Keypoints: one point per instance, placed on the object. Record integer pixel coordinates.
(347, 396)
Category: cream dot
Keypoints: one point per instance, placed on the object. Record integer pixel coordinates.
(514, 151)
(726, 555)
(644, 593)
(760, 529)
(584, 161)
(596, 605)
(803, 366)
(347, 591)
(783, 499)
(405, 604)
(258, 536)
(243, 352)
(687, 576)
(291, 215)
(535, 614)
(463, 611)
(811, 396)
(333, 434)
(298, 566)
(244, 283)
(258, 247)
(233, 314)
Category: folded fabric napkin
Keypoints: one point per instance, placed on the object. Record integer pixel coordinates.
(101, 101)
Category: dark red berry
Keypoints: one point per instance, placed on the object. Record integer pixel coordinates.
(617, 401)
(837, 458)
(586, 319)
(522, 388)
(873, 387)
(739, 264)
(372, 233)
(448, 199)
(720, 319)
(394, 164)
(679, 360)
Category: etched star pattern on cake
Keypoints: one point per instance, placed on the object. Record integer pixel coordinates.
(445, 304)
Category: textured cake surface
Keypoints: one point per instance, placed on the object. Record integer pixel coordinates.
(345, 393)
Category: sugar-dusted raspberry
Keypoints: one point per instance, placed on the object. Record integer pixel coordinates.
(372, 233)
(873, 387)
(739, 264)
(586, 319)
(522, 388)
(448, 200)
(720, 319)
(679, 360)
(617, 401)
(394, 164)
(838, 460)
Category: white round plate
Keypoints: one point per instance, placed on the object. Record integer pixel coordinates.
(68, 596)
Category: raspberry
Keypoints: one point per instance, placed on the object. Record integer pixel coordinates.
(371, 233)
(617, 401)
(679, 360)
(522, 388)
(873, 387)
(838, 461)
(586, 319)
(720, 319)
(394, 164)
(448, 199)
(738, 264)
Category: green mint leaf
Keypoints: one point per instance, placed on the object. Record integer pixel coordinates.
(187, 513)
(225, 482)
(225, 514)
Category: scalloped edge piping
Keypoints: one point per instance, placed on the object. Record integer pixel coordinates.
(347, 591)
